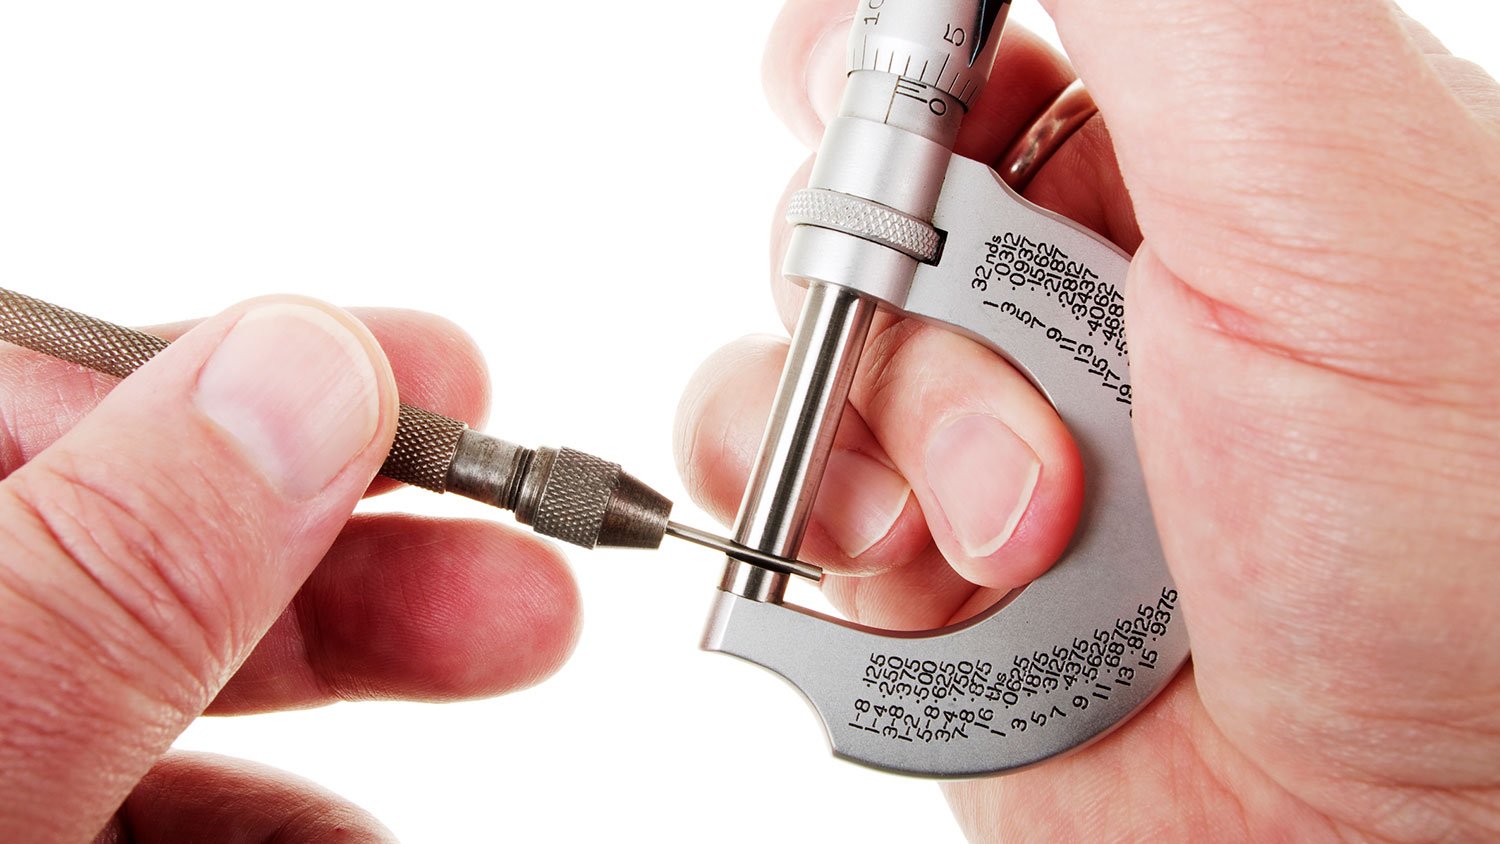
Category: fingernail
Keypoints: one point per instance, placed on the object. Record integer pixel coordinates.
(859, 501)
(297, 390)
(983, 476)
(827, 70)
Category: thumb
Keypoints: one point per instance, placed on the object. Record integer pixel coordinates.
(144, 553)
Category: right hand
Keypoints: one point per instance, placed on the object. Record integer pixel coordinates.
(1312, 194)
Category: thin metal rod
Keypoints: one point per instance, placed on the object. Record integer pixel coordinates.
(749, 555)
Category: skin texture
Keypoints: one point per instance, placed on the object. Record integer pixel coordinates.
(151, 570)
(1311, 193)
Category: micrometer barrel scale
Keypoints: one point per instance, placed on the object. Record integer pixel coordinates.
(892, 219)
(559, 492)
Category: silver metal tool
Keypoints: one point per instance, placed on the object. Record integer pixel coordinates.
(561, 493)
(893, 219)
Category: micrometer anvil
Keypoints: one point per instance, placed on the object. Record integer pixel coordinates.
(893, 219)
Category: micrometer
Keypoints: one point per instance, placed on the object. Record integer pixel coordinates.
(893, 219)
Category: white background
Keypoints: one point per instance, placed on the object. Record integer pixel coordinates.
(587, 189)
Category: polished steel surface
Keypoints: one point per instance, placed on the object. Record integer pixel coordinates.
(815, 383)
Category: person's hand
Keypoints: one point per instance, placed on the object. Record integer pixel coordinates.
(182, 543)
(1313, 308)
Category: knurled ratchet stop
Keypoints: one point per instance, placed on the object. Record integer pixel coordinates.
(891, 219)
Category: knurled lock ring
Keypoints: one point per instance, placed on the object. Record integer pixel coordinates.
(862, 218)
